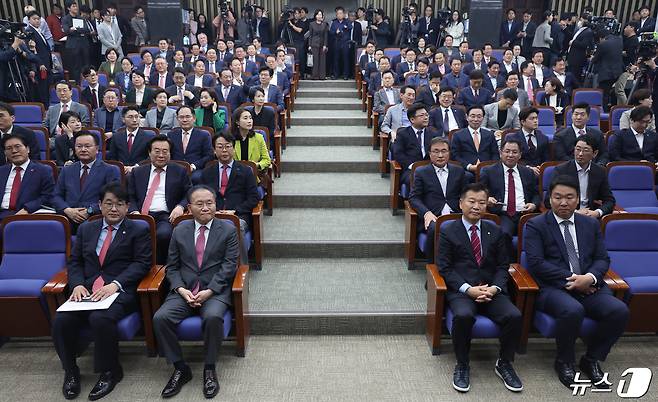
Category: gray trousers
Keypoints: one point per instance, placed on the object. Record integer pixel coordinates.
(173, 311)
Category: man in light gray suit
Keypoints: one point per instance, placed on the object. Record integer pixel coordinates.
(138, 24)
(109, 34)
(396, 116)
(203, 258)
(64, 94)
(501, 115)
(386, 95)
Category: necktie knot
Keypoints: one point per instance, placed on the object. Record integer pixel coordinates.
(474, 229)
(510, 171)
(158, 170)
(18, 169)
(85, 168)
(581, 132)
(565, 224)
(224, 166)
(202, 230)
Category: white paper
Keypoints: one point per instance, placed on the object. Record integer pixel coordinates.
(78, 23)
(88, 306)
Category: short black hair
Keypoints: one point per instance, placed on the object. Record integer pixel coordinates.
(526, 111)
(228, 136)
(411, 112)
(82, 133)
(128, 108)
(638, 96)
(8, 137)
(493, 63)
(265, 68)
(116, 189)
(178, 70)
(510, 94)
(160, 138)
(135, 72)
(404, 88)
(474, 187)
(65, 116)
(564, 180)
(447, 89)
(640, 112)
(423, 60)
(468, 111)
(582, 105)
(184, 107)
(7, 108)
(476, 75)
(589, 140)
(511, 140)
(525, 64)
(199, 187)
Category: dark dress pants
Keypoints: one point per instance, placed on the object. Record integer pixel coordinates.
(500, 310)
(163, 230)
(570, 308)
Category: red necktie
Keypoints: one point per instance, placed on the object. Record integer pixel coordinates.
(529, 90)
(15, 188)
(511, 193)
(475, 245)
(130, 141)
(224, 181)
(83, 177)
(200, 247)
(146, 206)
(106, 244)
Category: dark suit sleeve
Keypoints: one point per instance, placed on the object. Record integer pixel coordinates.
(455, 150)
(141, 258)
(173, 261)
(617, 147)
(416, 195)
(46, 186)
(446, 262)
(554, 275)
(112, 151)
(559, 148)
(535, 198)
(131, 186)
(602, 158)
(186, 183)
(224, 276)
(59, 195)
(76, 263)
(501, 276)
(251, 199)
(485, 179)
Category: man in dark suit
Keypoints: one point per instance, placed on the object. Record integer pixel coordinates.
(527, 33)
(473, 260)
(582, 41)
(24, 185)
(110, 255)
(534, 143)
(77, 42)
(565, 139)
(412, 144)
(247, 66)
(567, 258)
(436, 190)
(455, 79)
(228, 92)
(408, 66)
(475, 94)
(159, 189)
(129, 144)
(608, 63)
(181, 93)
(493, 79)
(160, 76)
(93, 93)
(446, 117)
(108, 116)
(373, 66)
(199, 78)
(473, 144)
(429, 27)
(7, 127)
(42, 50)
(428, 95)
(179, 62)
(596, 198)
(261, 26)
(477, 64)
(190, 144)
(367, 57)
(163, 50)
(527, 80)
(200, 280)
(560, 72)
(213, 65)
(512, 188)
(272, 93)
(509, 30)
(646, 23)
(636, 143)
(464, 55)
(79, 184)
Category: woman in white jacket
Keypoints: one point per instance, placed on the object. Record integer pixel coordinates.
(456, 28)
(109, 34)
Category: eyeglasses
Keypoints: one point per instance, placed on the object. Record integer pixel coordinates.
(84, 146)
(111, 205)
(224, 146)
(16, 147)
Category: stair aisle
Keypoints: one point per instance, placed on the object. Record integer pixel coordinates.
(333, 252)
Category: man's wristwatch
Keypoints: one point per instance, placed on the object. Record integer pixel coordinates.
(90, 211)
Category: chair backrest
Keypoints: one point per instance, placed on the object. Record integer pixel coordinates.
(480, 166)
(29, 254)
(594, 117)
(545, 175)
(520, 237)
(122, 169)
(391, 52)
(28, 113)
(546, 119)
(141, 220)
(539, 96)
(445, 219)
(41, 134)
(152, 49)
(232, 219)
(615, 115)
(103, 81)
(136, 58)
(415, 166)
(632, 243)
(498, 54)
(591, 96)
(53, 167)
(53, 94)
(265, 132)
(632, 183)
(100, 134)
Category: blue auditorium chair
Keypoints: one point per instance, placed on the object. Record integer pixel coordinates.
(632, 184)
(43, 139)
(615, 115)
(102, 81)
(591, 96)
(75, 96)
(30, 260)
(546, 119)
(235, 320)
(594, 117)
(521, 287)
(29, 113)
(544, 180)
(632, 245)
(128, 327)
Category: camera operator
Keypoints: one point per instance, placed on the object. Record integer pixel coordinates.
(409, 27)
(224, 22)
(296, 29)
(15, 58)
(607, 62)
(381, 29)
(243, 25)
(652, 72)
(631, 43)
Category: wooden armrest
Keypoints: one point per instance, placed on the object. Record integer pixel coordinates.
(615, 282)
(396, 166)
(437, 282)
(56, 284)
(410, 210)
(618, 210)
(158, 280)
(145, 284)
(522, 279)
(241, 280)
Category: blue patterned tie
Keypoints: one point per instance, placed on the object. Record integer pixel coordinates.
(571, 248)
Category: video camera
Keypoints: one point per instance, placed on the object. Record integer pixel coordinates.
(10, 30)
(406, 13)
(288, 12)
(370, 14)
(648, 45)
(224, 6)
(603, 26)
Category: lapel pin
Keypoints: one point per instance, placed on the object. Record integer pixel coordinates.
(124, 232)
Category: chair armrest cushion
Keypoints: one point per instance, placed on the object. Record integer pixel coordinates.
(522, 279)
(437, 283)
(56, 284)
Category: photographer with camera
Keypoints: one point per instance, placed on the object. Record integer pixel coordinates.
(380, 29)
(15, 59)
(607, 62)
(224, 22)
(409, 27)
(292, 31)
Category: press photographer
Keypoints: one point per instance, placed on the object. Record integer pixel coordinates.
(380, 29)
(15, 60)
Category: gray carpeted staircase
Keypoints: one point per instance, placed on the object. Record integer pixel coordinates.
(333, 252)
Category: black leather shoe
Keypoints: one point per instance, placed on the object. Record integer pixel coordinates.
(592, 370)
(506, 372)
(71, 386)
(461, 379)
(106, 383)
(566, 372)
(210, 384)
(176, 382)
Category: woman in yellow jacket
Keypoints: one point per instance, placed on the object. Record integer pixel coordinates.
(248, 144)
(208, 114)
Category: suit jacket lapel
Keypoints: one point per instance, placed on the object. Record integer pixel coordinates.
(557, 235)
(118, 238)
(27, 177)
(139, 138)
(465, 237)
(212, 239)
(92, 176)
(4, 176)
(485, 235)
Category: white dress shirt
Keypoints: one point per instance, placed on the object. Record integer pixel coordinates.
(197, 231)
(389, 95)
(639, 137)
(574, 236)
(442, 174)
(518, 188)
(10, 184)
(583, 181)
(539, 73)
(159, 203)
(528, 138)
(139, 96)
(198, 81)
(452, 122)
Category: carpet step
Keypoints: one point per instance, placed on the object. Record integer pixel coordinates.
(348, 84)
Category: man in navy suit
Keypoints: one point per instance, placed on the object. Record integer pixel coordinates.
(110, 255)
(567, 257)
(456, 79)
(473, 260)
(190, 144)
(429, 94)
(179, 62)
(181, 93)
(93, 94)
(213, 65)
(228, 92)
(534, 143)
(509, 29)
(160, 76)
(436, 190)
(200, 79)
(412, 144)
(248, 66)
(24, 185)
(493, 79)
(429, 27)
(129, 144)
(636, 143)
(477, 64)
(42, 50)
(79, 184)
(565, 140)
(7, 127)
(279, 78)
(408, 66)
(512, 188)
(367, 57)
(560, 72)
(159, 189)
(580, 43)
(272, 93)
(474, 144)
(108, 116)
(475, 94)
(446, 117)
